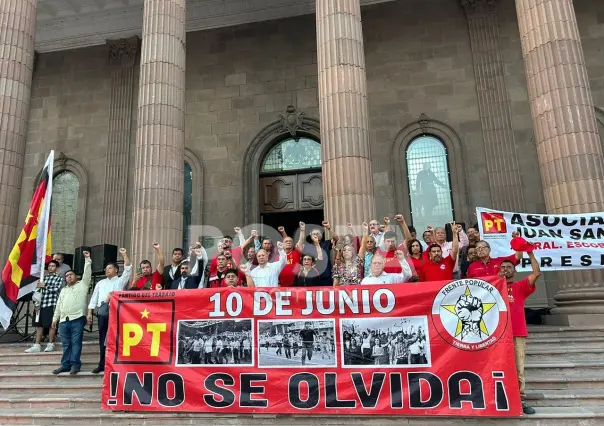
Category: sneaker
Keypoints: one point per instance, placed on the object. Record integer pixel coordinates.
(60, 370)
(98, 370)
(50, 347)
(74, 371)
(35, 348)
(526, 409)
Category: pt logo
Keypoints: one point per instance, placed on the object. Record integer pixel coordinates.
(469, 314)
(145, 332)
(493, 223)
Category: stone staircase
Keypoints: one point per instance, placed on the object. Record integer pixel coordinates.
(565, 383)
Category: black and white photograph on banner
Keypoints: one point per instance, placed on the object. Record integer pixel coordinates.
(216, 342)
(308, 343)
(385, 341)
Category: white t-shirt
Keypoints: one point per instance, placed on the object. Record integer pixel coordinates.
(268, 275)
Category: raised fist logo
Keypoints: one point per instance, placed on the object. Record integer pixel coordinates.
(469, 310)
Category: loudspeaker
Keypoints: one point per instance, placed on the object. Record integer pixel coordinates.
(78, 260)
(101, 256)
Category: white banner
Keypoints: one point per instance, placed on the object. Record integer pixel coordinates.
(562, 242)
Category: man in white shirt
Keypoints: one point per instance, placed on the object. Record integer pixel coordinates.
(196, 348)
(208, 346)
(378, 276)
(375, 232)
(266, 274)
(102, 293)
(197, 251)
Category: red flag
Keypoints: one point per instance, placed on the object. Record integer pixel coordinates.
(31, 251)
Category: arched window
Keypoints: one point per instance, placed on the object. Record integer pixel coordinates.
(293, 154)
(187, 211)
(64, 210)
(429, 185)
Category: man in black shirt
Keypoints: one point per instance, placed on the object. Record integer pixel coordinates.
(307, 335)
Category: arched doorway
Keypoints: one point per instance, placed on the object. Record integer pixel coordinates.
(291, 185)
(282, 178)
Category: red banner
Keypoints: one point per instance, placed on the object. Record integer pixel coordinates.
(430, 348)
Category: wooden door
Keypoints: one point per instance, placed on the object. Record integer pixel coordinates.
(278, 194)
(310, 191)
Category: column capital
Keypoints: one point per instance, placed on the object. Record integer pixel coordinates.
(123, 51)
(477, 7)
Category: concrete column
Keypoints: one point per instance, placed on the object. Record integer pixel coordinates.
(17, 32)
(347, 178)
(494, 105)
(566, 133)
(122, 58)
(158, 180)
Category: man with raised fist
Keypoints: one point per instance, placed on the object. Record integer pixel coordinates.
(100, 300)
(146, 279)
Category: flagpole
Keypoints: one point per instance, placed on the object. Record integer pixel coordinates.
(47, 200)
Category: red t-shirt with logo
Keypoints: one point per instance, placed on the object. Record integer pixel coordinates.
(288, 274)
(236, 255)
(441, 271)
(391, 263)
(479, 269)
(156, 281)
(517, 293)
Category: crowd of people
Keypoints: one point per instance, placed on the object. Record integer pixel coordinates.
(403, 347)
(319, 257)
(207, 348)
(291, 344)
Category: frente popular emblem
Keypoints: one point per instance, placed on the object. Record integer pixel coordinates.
(469, 314)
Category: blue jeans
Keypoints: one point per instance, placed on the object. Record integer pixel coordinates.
(72, 333)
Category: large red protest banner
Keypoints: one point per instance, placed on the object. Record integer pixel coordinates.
(431, 348)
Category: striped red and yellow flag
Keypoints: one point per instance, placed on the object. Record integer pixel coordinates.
(32, 250)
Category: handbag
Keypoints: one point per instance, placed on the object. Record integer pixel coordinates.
(103, 310)
(37, 297)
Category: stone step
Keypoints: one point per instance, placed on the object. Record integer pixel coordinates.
(585, 416)
(564, 353)
(565, 397)
(565, 332)
(52, 388)
(564, 340)
(579, 380)
(46, 376)
(62, 400)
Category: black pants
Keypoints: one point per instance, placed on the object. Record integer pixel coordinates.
(103, 327)
(279, 352)
(288, 352)
(207, 358)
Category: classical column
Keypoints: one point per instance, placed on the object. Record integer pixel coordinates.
(568, 144)
(17, 31)
(347, 178)
(158, 181)
(494, 105)
(122, 58)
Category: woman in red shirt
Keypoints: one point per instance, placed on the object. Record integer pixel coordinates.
(415, 257)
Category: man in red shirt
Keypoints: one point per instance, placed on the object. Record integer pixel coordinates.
(486, 265)
(391, 263)
(437, 268)
(226, 248)
(288, 274)
(146, 279)
(518, 291)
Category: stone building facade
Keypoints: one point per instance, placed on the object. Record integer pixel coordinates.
(127, 113)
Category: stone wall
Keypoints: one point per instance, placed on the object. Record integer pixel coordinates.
(70, 114)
